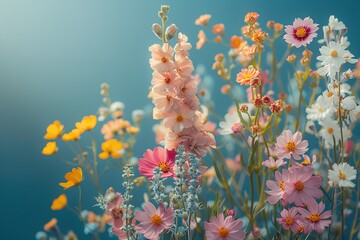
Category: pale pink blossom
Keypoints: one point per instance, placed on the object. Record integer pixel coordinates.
(162, 80)
(179, 120)
(314, 219)
(154, 221)
(276, 188)
(289, 219)
(272, 164)
(161, 57)
(290, 146)
(302, 186)
(224, 229)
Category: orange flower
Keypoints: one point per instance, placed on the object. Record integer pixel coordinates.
(111, 148)
(202, 39)
(203, 20)
(251, 17)
(218, 28)
(59, 202)
(236, 41)
(54, 130)
(73, 135)
(246, 75)
(73, 178)
(50, 225)
(49, 149)
(87, 123)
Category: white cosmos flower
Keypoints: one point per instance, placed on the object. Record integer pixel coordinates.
(335, 24)
(231, 125)
(342, 175)
(330, 130)
(320, 109)
(332, 57)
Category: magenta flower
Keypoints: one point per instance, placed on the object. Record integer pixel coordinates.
(289, 219)
(302, 186)
(161, 158)
(276, 188)
(313, 218)
(289, 145)
(154, 221)
(301, 33)
(224, 229)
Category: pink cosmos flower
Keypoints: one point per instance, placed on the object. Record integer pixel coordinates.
(154, 221)
(161, 57)
(272, 164)
(224, 229)
(302, 186)
(289, 219)
(114, 201)
(313, 218)
(276, 188)
(161, 158)
(301, 33)
(288, 145)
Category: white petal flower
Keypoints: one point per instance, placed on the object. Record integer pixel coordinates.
(342, 175)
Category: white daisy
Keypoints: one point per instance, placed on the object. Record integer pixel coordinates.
(330, 130)
(332, 57)
(342, 175)
(320, 109)
(231, 125)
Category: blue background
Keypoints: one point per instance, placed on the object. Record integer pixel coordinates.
(55, 54)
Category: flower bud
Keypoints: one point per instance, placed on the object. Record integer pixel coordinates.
(157, 30)
(170, 32)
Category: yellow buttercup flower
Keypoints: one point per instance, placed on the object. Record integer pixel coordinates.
(111, 148)
(59, 202)
(49, 149)
(73, 178)
(73, 135)
(87, 123)
(132, 130)
(54, 130)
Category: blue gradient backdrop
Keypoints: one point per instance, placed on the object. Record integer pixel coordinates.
(53, 57)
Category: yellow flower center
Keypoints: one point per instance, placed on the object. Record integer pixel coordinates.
(342, 175)
(179, 118)
(291, 146)
(330, 130)
(299, 185)
(281, 185)
(314, 217)
(330, 94)
(223, 232)
(321, 109)
(248, 76)
(334, 53)
(289, 220)
(164, 167)
(300, 32)
(306, 162)
(156, 220)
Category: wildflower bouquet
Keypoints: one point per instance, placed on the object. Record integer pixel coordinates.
(280, 165)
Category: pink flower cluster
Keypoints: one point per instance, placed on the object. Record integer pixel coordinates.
(113, 208)
(174, 96)
(296, 185)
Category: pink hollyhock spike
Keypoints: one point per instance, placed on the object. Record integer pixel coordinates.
(159, 157)
(154, 221)
(224, 229)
